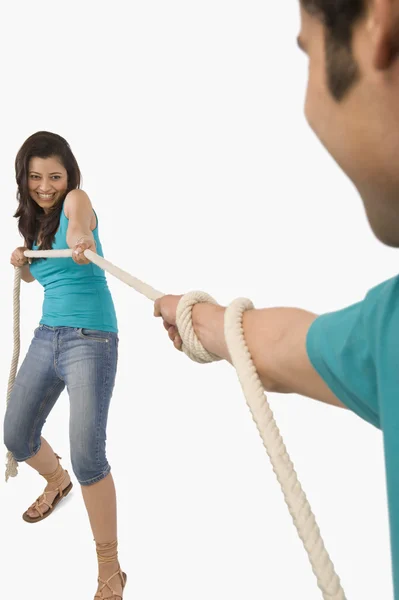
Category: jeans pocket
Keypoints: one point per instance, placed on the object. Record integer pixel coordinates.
(94, 335)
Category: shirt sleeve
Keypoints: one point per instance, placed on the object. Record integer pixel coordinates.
(338, 347)
(356, 352)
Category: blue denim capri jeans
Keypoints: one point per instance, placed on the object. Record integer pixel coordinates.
(84, 362)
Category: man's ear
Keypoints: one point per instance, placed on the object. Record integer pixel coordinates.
(383, 28)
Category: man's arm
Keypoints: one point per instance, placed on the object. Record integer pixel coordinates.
(276, 339)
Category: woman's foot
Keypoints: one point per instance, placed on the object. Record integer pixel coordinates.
(111, 579)
(58, 485)
(115, 578)
(46, 500)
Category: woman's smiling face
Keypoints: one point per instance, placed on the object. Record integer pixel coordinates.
(48, 181)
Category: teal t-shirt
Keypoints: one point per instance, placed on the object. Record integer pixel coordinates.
(74, 295)
(356, 352)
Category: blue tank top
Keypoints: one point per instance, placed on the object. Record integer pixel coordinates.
(74, 295)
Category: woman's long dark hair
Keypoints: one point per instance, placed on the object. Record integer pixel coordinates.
(31, 217)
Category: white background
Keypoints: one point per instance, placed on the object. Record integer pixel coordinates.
(187, 121)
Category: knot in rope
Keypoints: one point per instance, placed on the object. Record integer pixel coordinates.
(192, 347)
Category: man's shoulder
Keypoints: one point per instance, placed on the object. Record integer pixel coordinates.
(380, 306)
(383, 290)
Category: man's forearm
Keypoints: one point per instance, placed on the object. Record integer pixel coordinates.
(260, 335)
(276, 340)
(208, 323)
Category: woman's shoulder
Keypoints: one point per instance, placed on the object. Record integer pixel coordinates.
(76, 200)
(77, 205)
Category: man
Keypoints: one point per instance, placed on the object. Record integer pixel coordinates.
(349, 358)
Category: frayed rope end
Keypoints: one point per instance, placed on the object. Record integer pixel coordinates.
(12, 466)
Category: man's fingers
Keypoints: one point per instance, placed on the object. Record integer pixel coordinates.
(177, 342)
(157, 309)
(172, 332)
(168, 314)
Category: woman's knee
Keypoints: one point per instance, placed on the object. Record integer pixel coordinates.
(11, 441)
(88, 468)
(17, 441)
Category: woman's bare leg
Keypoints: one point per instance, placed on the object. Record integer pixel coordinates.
(100, 501)
(45, 460)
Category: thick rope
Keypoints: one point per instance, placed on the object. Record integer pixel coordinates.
(295, 498)
(12, 465)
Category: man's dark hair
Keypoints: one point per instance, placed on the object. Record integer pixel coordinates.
(338, 18)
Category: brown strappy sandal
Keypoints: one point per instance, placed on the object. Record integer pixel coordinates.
(105, 559)
(56, 477)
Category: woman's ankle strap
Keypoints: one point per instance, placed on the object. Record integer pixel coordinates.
(107, 552)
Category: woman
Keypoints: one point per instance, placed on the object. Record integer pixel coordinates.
(75, 346)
